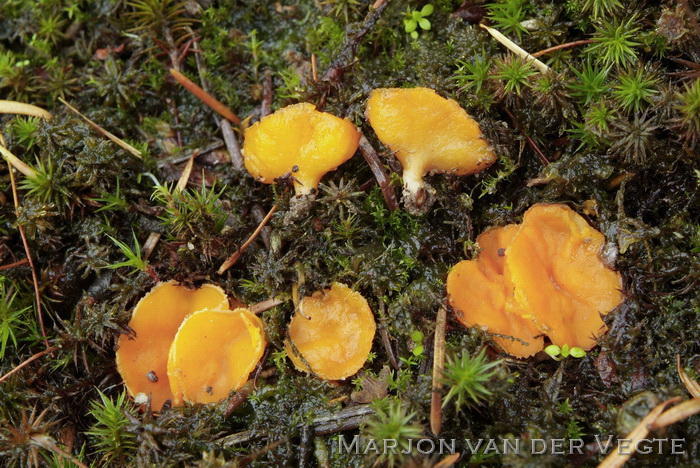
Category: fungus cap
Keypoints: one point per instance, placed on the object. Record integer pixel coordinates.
(478, 293)
(300, 141)
(544, 276)
(559, 277)
(428, 134)
(331, 333)
(213, 353)
(142, 360)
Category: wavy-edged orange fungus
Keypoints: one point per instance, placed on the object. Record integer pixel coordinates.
(331, 333)
(428, 134)
(478, 293)
(299, 141)
(542, 277)
(559, 276)
(142, 360)
(213, 353)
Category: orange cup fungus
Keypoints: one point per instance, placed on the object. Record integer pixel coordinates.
(428, 134)
(299, 141)
(542, 277)
(331, 333)
(213, 353)
(143, 360)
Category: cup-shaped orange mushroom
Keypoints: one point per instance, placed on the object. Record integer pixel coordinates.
(331, 333)
(542, 277)
(559, 278)
(142, 360)
(300, 142)
(213, 353)
(428, 134)
(478, 293)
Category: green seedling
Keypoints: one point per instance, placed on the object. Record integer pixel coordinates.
(416, 19)
(559, 353)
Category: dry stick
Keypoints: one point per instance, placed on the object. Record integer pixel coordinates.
(28, 361)
(205, 97)
(543, 159)
(126, 146)
(516, 49)
(242, 394)
(234, 150)
(438, 366)
(16, 162)
(49, 443)
(35, 279)
(386, 339)
(14, 107)
(262, 306)
(314, 68)
(372, 158)
(618, 458)
(15, 264)
(271, 446)
(692, 386)
(562, 46)
(448, 461)
(678, 413)
(237, 254)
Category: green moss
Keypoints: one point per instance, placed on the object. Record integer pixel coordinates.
(616, 119)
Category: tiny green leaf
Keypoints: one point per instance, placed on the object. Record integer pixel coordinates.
(577, 352)
(565, 350)
(410, 25)
(553, 350)
(425, 24)
(414, 34)
(427, 10)
(416, 15)
(417, 336)
(418, 350)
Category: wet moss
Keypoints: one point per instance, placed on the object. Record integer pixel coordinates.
(632, 171)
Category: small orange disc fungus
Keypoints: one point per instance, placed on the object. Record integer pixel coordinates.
(428, 134)
(301, 142)
(560, 279)
(543, 276)
(142, 360)
(478, 292)
(214, 352)
(331, 334)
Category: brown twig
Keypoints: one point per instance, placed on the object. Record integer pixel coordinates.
(234, 149)
(35, 279)
(28, 361)
(314, 68)
(262, 306)
(438, 366)
(372, 158)
(237, 254)
(563, 46)
(386, 339)
(516, 49)
(205, 97)
(124, 145)
(530, 141)
(15, 264)
(14, 107)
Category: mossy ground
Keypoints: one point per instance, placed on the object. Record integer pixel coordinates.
(616, 127)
